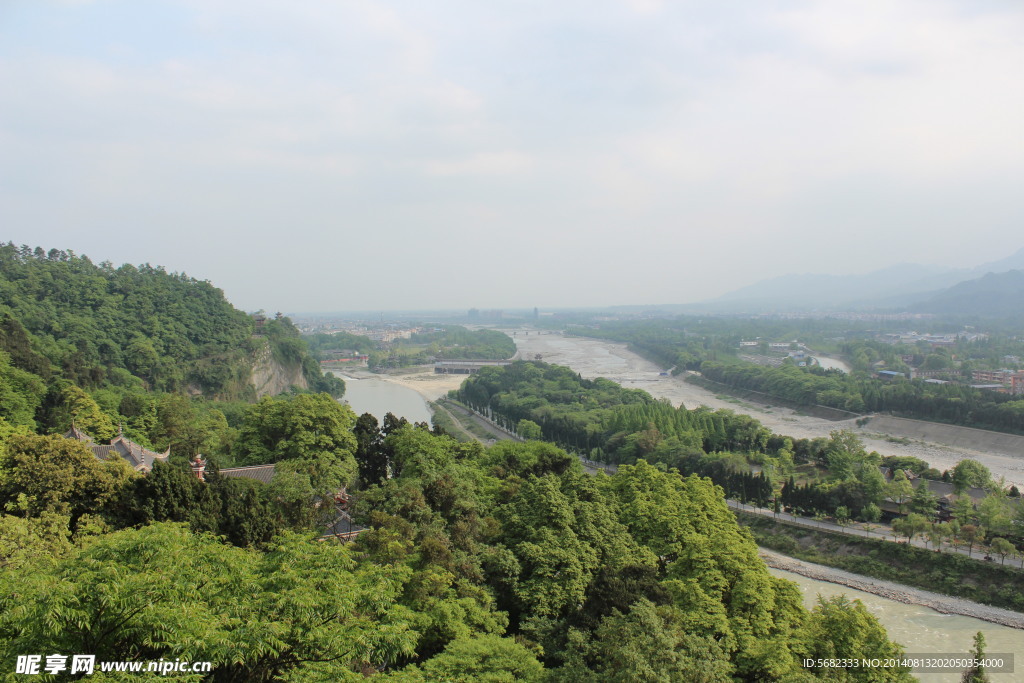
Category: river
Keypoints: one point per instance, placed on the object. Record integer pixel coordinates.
(832, 363)
(919, 629)
(379, 397)
(601, 358)
(922, 630)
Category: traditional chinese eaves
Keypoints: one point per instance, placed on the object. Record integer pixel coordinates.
(138, 457)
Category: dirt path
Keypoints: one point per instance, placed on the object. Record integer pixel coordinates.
(438, 405)
(462, 414)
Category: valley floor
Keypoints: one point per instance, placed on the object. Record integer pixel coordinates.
(599, 358)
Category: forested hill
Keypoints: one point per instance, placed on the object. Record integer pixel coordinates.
(100, 325)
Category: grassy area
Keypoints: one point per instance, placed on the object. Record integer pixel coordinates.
(446, 421)
(807, 473)
(470, 425)
(722, 390)
(952, 574)
(742, 404)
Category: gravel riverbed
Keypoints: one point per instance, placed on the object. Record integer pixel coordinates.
(601, 358)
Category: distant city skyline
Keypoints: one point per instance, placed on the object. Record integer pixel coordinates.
(322, 156)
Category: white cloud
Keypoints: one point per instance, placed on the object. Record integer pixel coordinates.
(609, 138)
(498, 163)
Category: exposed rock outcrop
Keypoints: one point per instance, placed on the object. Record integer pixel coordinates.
(270, 377)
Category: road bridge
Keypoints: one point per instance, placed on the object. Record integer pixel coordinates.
(466, 367)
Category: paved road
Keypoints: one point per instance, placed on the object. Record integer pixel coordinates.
(462, 413)
(881, 532)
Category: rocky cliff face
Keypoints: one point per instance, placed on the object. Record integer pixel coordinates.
(270, 377)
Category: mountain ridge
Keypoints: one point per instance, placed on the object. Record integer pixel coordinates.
(991, 295)
(896, 286)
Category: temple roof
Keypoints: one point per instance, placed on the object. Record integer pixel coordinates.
(78, 435)
(342, 526)
(262, 473)
(136, 455)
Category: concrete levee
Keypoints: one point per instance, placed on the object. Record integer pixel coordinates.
(949, 435)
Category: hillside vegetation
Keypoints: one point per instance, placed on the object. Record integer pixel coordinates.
(159, 355)
(502, 564)
(499, 564)
(97, 324)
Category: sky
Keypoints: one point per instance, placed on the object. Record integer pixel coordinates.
(361, 155)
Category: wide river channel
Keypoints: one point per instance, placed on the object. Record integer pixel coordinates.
(922, 630)
(919, 629)
(379, 397)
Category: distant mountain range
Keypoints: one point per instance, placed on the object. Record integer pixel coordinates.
(992, 295)
(910, 287)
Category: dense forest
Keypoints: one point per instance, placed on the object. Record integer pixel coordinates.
(104, 325)
(498, 564)
(160, 356)
(833, 476)
(133, 327)
(609, 423)
(586, 415)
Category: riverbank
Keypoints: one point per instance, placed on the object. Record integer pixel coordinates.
(421, 379)
(613, 360)
(953, 574)
(943, 604)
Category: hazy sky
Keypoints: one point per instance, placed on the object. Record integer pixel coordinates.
(308, 155)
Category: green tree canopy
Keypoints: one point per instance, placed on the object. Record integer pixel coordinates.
(21, 393)
(970, 473)
(487, 659)
(52, 474)
(301, 611)
(312, 430)
(843, 629)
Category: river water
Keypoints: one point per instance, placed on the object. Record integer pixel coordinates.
(832, 363)
(922, 630)
(379, 397)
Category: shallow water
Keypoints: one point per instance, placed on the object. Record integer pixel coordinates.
(922, 630)
(379, 397)
(832, 364)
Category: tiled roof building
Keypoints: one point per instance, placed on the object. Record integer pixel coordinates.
(341, 527)
(139, 457)
(261, 473)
